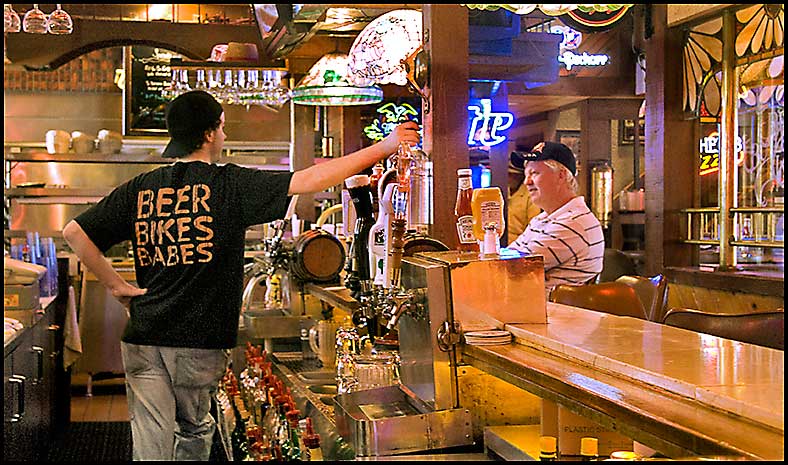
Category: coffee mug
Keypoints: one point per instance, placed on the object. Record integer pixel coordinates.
(82, 143)
(109, 141)
(57, 141)
(322, 340)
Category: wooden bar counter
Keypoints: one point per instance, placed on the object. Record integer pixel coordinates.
(680, 392)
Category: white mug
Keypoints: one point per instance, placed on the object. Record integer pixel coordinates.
(323, 341)
(57, 141)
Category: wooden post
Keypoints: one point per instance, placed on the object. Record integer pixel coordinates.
(303, 153)
(446, 124)
(670, 149)
(499, 155)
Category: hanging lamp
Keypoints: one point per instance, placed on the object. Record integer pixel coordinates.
(327, 84)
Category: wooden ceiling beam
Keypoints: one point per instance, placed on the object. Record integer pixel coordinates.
(193, 40)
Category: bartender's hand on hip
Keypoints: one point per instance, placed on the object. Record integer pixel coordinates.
(125, 292)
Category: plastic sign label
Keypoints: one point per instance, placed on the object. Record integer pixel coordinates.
(710, 153)
(485, 126)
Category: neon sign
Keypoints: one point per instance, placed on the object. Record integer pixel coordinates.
(486, 124)
(392, 115)
(571, 59)
(572, 40)
(710, 153)
(485, 127)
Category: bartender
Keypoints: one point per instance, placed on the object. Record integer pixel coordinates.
(187, 223)
(566, 233)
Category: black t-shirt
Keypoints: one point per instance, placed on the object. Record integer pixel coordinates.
(187, 224)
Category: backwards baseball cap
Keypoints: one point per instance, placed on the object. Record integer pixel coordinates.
(189, 115)
(553, 151)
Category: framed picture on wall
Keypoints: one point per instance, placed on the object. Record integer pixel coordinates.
(626, 131)
(571, 139)
(148, 73)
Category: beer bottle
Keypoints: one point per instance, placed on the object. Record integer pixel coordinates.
(312, 443)
(463, 212)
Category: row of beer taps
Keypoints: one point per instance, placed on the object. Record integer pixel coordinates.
(384, 301)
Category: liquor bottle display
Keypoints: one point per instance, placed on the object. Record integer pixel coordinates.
(264, 424)
(463, 212)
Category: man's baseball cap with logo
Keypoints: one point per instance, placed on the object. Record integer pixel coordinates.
(188, 114)
(553, 151)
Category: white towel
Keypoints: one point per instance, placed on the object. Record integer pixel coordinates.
(72, 349)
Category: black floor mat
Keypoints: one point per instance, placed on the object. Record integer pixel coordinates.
(104, 441)
(93, 441)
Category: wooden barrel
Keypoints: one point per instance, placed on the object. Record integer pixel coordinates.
(317, 257)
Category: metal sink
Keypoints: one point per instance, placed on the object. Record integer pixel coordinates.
(329, 389)
(270, 324)
(318, 377)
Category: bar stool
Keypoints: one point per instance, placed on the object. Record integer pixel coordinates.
(763, 328)
(653, 293)
(612, 297)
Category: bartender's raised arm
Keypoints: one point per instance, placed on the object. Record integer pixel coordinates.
(320, 177)
(94, 260)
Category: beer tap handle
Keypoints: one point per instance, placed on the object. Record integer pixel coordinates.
(396, 250)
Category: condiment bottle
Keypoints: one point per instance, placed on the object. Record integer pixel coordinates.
(463, 212)
(487, 207)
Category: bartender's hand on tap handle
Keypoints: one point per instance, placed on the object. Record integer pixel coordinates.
(405, 132)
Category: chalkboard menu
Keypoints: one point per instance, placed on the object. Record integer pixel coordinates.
(147, 75)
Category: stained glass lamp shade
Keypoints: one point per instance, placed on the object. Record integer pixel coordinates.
(327, 84)
(378, 51)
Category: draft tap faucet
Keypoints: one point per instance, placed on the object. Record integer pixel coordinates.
(401, 302)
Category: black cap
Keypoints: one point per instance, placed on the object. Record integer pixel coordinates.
(516, 162)
(553, 151)
(189, 114)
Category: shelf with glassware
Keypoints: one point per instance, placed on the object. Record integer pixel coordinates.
(231, 83)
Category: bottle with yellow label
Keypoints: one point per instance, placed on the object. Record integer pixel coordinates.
(487, 207)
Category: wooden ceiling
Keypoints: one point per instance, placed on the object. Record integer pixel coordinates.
(99, 27)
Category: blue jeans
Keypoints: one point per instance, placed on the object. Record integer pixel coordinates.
(169, 392)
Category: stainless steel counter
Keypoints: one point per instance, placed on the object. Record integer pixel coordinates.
(28, 318)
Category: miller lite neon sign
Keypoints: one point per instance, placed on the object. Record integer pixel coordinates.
(485, 128)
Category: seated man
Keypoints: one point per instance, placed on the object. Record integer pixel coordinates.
(566, 233)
